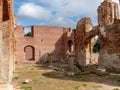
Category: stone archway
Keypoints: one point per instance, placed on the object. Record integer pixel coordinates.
(29, 53)
(70, 45)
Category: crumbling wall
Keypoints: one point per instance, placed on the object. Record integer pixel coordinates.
(108, 30)
(110, 47)
(109, 34)
(107, 13)
(7, 42)
(83, 45)
(68, 37)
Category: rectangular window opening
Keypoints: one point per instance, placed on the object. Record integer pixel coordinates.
(28, 31)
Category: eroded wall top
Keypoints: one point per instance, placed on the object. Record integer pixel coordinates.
(108, 13)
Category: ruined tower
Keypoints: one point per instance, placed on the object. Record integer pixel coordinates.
(107, 13)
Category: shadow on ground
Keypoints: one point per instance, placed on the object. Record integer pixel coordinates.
(111, 79)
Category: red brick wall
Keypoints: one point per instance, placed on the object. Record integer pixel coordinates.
(20, 41)
(45, 39)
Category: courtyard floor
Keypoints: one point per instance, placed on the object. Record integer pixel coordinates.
(43, 78)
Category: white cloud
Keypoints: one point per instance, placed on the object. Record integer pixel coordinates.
(72, 7)
(63, 22)
(59, 12)
(33, 11)
(79, 8)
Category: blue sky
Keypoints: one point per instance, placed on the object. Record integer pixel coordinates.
(63, 13)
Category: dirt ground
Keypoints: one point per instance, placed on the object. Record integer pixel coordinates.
(42, 78)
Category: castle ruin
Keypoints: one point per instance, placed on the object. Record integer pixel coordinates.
(17, 48)
(108, 32)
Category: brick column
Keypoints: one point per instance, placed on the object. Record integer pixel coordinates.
(50, 60)
(71, 58)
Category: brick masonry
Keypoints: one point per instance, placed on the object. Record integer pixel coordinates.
(15, 47)
(45, 39)
(7, 42)
(108, 31)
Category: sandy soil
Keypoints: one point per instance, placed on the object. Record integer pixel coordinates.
(43, 78)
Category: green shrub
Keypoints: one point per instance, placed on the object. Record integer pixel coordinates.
(16, 78)
(96, 47)
(76, 87)
(116, 89)
(28, 34)
(118, 80)
(84, 84)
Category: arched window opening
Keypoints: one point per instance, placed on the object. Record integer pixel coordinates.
(70, 45)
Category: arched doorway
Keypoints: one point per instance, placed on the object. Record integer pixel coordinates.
(29, 53)
(96, 47)
(70, 45)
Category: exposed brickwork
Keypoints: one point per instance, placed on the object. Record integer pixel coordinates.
(110, 47)
(6, 41)
(83, 45)
(107, 13)
(29, 53)
(46, 39)
(109, 35)
(108, 31)
(58, 40)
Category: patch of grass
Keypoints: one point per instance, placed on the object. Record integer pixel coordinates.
(76, 87)
(115, 89)
(16, 78)
(26, 88)
(32, 69)
(35, 81)
(46, 79)
(98, 86)
(84, 85)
